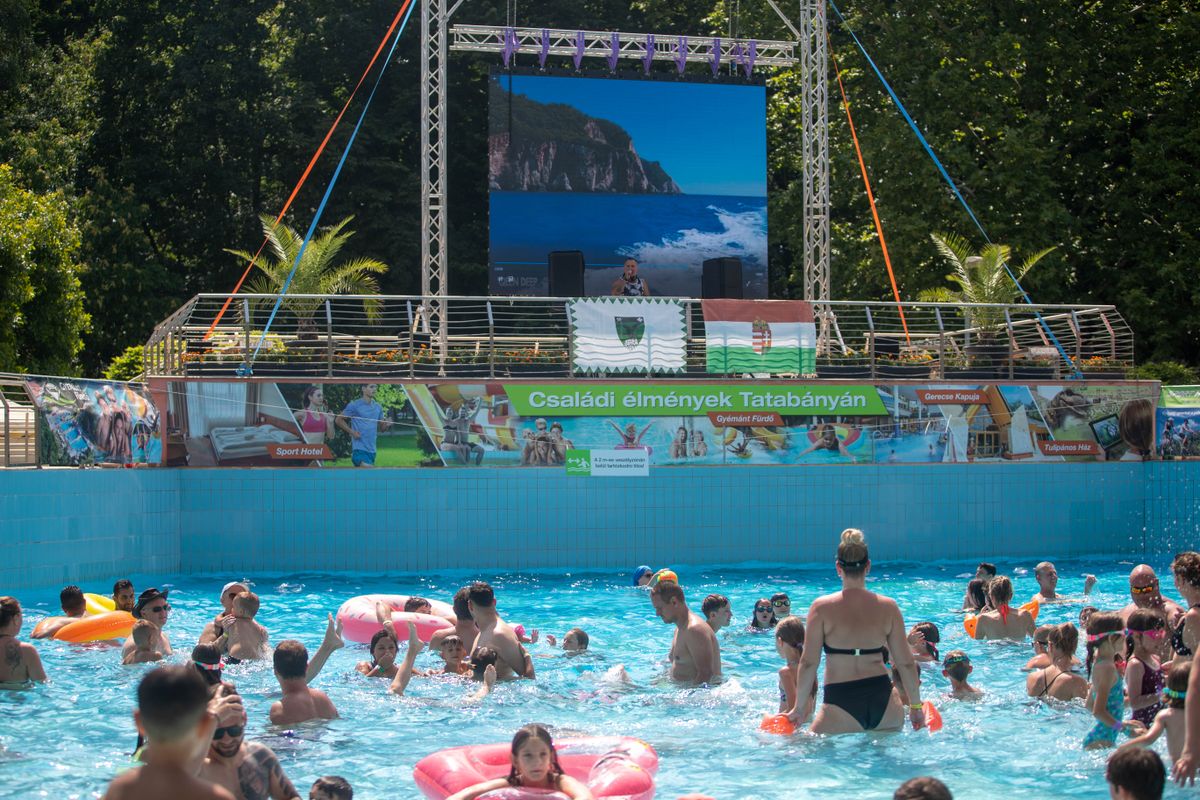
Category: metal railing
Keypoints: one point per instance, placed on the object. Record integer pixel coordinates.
(504, 337)
(20, 442)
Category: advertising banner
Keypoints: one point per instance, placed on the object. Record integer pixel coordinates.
(760, 336)
(1178, 422)
(627, 334)
(96, 422)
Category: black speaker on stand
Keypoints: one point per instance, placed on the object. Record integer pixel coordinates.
(566, 273)
(721, 278)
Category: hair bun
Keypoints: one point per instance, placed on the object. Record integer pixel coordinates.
(854, 536)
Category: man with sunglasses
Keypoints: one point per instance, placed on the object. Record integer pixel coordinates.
(248, 769)
(153, 607)
(1144, 592)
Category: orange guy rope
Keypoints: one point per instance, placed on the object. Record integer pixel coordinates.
(391, 29)
(870, 195)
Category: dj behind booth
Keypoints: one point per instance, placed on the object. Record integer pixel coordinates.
(720, 277)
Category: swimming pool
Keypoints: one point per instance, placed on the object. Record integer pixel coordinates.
(68, 738)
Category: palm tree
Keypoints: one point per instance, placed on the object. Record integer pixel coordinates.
(318, 272)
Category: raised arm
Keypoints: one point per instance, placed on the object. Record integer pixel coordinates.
(405, 672)
(332, 641)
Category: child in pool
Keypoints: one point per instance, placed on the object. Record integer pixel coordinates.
(574, 641)
(383, 657)
(534, 766)
(789, 643)
(923, 639)
(143, 641)
(1041, 649)
(1057, 680)
(1147, 630)
(1171, 719)
(957, 667)
(244, 639)
(764, 616)
(452, 652)
(1106, 700)
(331, 787)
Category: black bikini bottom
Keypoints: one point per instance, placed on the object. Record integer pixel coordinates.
(866, 700)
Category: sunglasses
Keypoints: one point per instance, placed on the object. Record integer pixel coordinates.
(233, 731)
(1143, 589)
(764, 609)
(159, 609)
(781, 603)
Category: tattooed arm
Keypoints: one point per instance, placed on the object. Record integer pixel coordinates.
(261, 776)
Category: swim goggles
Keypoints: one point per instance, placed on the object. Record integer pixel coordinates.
(210, 667)
(955, 660)
(1153, 633)
(1097, 637)
(1171, 694)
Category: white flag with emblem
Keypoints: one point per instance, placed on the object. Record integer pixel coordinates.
(627, 334)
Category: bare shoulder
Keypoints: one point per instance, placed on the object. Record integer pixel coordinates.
(122, 786)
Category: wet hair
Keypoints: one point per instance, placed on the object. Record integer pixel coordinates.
(290, 659)
(461, 609)
(932, 637)
(852, 552)
(1100, 623)
(480, 593)
(713, 603)
(1178, 673)
(1186, 567)
(335, 786)
(526, 733)
(481, 659)
(452, 638)
(9, 608)
(1000, 590)
(380, 635)
(987, 567)
(580, 636)
(246, 603)
(121, 586)
(922, 788)
(760, 604)
(171, 701)
(1064, 638)
(667, 591)
(977, 594)
(1135, 422)
(1042, 635)
(142, 633)
(957, 665)
(207, 654)
(791, 632)
(71, 599)
(1139, 771)
(780, 596)
(414, 602)
(1085, 614)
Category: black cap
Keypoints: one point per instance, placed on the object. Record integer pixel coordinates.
(145, 598)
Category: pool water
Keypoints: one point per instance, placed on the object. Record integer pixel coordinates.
(68, 738)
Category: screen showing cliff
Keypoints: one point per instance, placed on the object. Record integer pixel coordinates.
(669, 172)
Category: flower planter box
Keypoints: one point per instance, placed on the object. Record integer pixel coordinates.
(843, 371)
(914, 371)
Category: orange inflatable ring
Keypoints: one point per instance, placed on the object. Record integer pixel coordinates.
(111, 625)
(1033, 607)
(969, 624)
(933, 720)
(778, 724)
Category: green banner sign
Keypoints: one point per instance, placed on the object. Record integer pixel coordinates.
(650, 400)
(1180, 397)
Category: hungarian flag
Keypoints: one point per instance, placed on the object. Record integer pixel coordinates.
(627, 334)
(766, 336)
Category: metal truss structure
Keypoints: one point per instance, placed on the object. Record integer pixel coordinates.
(434, 219)
(814, 123)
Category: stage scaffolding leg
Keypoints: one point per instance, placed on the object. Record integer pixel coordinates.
(434, 259)
(814, 122)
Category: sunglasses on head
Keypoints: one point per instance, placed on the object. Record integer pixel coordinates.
(233, 731)
(1143, 589)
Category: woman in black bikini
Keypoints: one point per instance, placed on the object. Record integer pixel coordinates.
(1186, 567)
(1057, 680)
(856, 629)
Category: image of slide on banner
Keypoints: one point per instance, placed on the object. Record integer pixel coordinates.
(608, 463)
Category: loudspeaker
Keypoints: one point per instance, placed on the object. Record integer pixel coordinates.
(722, 277)
(566, 273)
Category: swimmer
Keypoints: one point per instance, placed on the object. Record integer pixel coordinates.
(1056, 680)
(464, 626)
(1003, 622)
(1135, 774)
(418, 605)
(123, 596)
(789, 643)
(717, 611)
(74, 608)
(695, 655)
(642, 575)
(859, 693)
(206, 658)
(330, 642)
(1047, 581)
(1085, 614)
(383, 652)
(483, 669)
(20, 663)
(244, 639)
(143, 641)
(1106, 700)
(923, 639)
(173, 716)
(971, 597)
(249, 770)
(213, 630)
(299, 703)
(1185, 634)
(781, 606)
(534, 766)
(1170, 720)
(153, 607)
(331, 787)
(1144, 592)
(531, 638)
(922, 788)
(1041, 652)
(574, 641)
(957, 667)
(497, 634)
(1146, 630)
(763, 618)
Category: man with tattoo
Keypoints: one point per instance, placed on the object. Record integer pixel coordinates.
(249, 770)
(19, 662)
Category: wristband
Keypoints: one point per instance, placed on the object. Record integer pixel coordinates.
(916, 706)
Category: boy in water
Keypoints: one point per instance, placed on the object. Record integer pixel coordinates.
(299, 702)
(574, 641)
(172, 715)
(1135, 774)
(143, 643)
(331, 787)
(957, 667)
(244, 639)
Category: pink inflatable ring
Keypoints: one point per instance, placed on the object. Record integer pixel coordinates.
(359, 622)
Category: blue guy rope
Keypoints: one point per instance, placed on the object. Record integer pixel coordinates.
(245, 369)
(950, 182)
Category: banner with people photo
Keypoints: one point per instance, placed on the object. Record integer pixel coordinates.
(95, 422)
(627, 334)
(1178, 433)
(744, 423)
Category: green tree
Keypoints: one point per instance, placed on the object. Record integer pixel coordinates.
(40, 296)
(128, 366)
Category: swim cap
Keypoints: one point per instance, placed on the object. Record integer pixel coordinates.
(640, 572)
(231, 584)
(664, 576)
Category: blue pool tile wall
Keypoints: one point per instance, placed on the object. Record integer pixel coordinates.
(91, 525)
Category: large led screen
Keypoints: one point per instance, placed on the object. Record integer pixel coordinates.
(669, 172)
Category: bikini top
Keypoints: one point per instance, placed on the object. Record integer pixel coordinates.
(857, 651)
(1046, 688)
(1177, 643)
